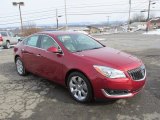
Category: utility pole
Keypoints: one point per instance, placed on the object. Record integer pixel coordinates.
(108, 20)
(66, 14)
(57, 18)
(19, 6)
(129, 17)
(149, 9)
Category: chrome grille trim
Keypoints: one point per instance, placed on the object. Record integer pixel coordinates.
(138, 74)
(117, 96)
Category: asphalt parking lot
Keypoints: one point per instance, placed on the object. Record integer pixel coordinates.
(32, 97)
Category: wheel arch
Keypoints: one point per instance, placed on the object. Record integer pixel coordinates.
(77, 70)
(8, 41)
(16, 57)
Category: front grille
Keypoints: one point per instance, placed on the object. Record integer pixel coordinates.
(138, 73)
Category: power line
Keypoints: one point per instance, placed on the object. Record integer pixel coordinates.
(29, 13)
(68, 7)
(79, 14)
(74, 14)
(101, 5)
(29, 20)
(62, 13)
(37, 16)
(71, 5)
(96, 13)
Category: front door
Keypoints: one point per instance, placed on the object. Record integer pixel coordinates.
(50, 63)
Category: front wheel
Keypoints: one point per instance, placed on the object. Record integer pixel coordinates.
(20, 67)
(79, 87)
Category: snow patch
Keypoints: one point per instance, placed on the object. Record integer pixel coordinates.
(154, 32)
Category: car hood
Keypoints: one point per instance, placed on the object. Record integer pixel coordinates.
(108, 56)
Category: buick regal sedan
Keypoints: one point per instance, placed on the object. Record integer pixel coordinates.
(89, 69)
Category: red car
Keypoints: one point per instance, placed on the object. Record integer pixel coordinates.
(88, 68)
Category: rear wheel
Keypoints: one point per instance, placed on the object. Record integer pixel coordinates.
(7, 46)
(20, 67)
(79, 87)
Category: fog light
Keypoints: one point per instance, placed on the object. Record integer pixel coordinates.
(116, 92)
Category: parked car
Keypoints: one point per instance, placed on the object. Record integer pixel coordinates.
(88, 68)
(8, 38)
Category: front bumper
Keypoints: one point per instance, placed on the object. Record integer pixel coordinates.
(104, 87)
(120, 88)
(123, 95)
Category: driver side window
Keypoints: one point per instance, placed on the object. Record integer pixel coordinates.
(47, 42)
(31, 41)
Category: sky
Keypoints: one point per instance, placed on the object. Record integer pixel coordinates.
(43, 12)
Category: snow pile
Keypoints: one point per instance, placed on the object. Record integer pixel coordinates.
(154, 32)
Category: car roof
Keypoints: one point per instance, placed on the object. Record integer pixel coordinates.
(58, 32)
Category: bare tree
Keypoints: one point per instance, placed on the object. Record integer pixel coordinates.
(138, 18)
(30, 28)
(152, 15)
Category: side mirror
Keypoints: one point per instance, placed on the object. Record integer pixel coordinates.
(54, 50)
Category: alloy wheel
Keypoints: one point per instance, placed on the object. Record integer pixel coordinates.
(8, 45)
(19, 66)
(78, 88)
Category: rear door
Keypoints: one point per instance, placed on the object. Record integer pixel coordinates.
(13, 39)
(30, 53)
(50, 63)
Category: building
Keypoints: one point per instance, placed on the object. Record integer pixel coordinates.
(93, 29)
(135, 26)
(83, 30)
(154, 23)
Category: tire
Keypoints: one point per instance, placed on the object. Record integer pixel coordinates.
(7, 46)
(20, 67)
(19, 40)
(79, 87)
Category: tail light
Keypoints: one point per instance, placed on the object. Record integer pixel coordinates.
(1, 39)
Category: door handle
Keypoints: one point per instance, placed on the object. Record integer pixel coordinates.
(38, 55)
(22, 50)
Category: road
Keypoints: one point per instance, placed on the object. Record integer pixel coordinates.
(35, 98)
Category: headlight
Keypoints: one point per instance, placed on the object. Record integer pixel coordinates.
(109, 72)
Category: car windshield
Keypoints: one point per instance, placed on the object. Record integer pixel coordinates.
(79, 42)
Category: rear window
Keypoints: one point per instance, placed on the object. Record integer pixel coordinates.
(4, 34)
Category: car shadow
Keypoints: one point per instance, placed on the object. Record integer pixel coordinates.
(48, 89)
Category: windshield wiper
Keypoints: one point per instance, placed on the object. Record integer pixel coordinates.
(79, 50)
(88, 49)
(95, 48)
